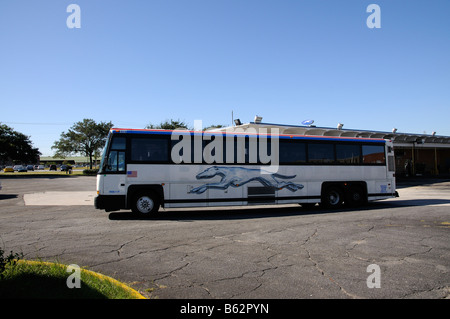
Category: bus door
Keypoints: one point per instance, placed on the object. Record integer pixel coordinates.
(391, 165)
(114, 170)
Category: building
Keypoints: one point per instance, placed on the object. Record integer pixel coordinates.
(72, 160)
(415, 154)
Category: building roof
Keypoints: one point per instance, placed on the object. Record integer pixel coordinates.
(399, 139)
(76, 159)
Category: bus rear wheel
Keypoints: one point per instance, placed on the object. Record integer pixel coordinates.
(145, 204)
(332, 197)
(356, 196)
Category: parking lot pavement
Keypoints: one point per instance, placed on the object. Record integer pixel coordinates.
(402, 244)
(67, 198)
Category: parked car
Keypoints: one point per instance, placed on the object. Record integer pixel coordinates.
(30, 168)
(40, 167)
(8, 169)
(52, 167)
(21, 168)
(65, 168)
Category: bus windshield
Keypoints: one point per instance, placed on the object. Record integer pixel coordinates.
(102, 162)
(113, 159)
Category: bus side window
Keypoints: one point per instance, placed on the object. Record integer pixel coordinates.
(321, 153)
(292, 152)
(118, 143)
(150, 150)
(348, 154)
(373, 154)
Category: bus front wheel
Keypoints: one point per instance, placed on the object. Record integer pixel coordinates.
(145, 203)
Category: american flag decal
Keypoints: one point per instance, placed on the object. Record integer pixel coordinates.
(132, 173)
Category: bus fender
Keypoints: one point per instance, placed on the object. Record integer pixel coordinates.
(155, 188)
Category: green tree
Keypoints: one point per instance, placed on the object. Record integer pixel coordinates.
(86, 137)
(172, 125)
(177, 124)
(16, 147)
(211, 127)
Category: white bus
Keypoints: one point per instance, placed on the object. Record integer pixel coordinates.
(144, 170)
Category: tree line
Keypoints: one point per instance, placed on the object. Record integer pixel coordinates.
(86, 138)
(16, 147)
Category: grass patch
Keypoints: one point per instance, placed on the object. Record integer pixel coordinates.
(43, 280)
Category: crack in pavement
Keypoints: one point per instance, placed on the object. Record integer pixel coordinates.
(322, 271)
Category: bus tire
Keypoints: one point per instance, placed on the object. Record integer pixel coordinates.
(145, 203)
(355, 196)
(332, 197)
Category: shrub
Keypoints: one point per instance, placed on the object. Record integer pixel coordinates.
(10, 260)
(90, 172)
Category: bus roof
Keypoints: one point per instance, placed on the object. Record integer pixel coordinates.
(282, 136)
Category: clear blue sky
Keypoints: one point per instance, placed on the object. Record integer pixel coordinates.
(140, 62)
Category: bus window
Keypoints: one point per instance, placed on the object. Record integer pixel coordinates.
(348, 154)
(373, 154)
(112, 162)
(121, 161)
(153, 150)
(320, 153)
(118, 143)
(116, 162)
(292, 152)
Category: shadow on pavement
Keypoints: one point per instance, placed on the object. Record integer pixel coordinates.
(8, 196)
(218, 213)
(419, 181)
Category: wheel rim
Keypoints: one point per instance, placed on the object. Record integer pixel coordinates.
(356, 197)
(145, 204)
(333, 198)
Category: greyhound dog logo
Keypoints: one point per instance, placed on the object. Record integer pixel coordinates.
(238, 176)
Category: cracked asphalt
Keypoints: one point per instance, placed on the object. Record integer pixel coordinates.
(254, 252)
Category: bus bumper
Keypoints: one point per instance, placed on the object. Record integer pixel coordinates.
(110, 202)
